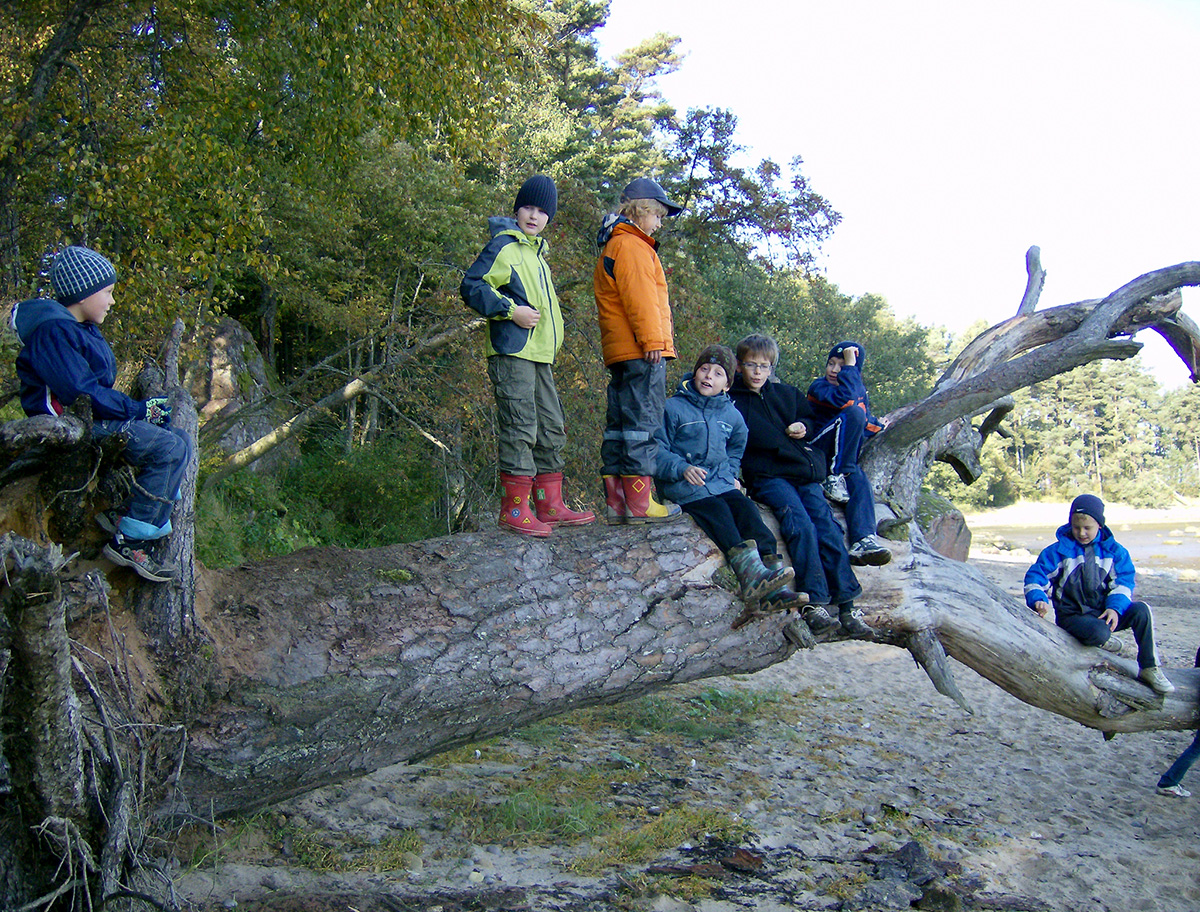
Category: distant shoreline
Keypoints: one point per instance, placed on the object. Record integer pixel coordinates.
(1033, 514)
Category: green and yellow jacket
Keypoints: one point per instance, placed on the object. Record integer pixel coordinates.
(512, 270)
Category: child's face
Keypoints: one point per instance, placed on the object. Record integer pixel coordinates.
(649, 222)
(93, 308)
(1084, 528)
(532, 220)
(756, 370)
(710, 380)
(833, 367)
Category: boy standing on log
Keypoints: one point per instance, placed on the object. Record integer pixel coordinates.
(700, 446)
(1088, 576)
(64, 356)
(637, 336)
(782, 470)
(844, 422)
(509, 283)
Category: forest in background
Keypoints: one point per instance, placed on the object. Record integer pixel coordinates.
(323, 173)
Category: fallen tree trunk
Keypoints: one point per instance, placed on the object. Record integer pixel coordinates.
(333, 663)
(326, 664)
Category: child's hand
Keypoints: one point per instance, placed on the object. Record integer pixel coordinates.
(653, 357)
(1042, 608)
(158, 411)
(850, 355)
(694, 475)
(1111, 618)
(796, 429)
(525, 316)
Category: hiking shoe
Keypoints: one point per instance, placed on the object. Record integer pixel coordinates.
(109, 521)
(1158, 681)
(835, 489)
(1113, 644)
(853, 624)
(868, 551)
(132, 554)
(818, 620)
(1175, 791)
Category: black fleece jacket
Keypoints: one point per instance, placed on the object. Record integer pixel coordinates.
(770, 452)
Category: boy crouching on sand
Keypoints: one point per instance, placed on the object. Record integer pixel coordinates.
(1090, 578)
(700, 447)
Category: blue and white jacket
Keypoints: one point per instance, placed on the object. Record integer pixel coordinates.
(1057, 576)
(703, 431)
(62, 359)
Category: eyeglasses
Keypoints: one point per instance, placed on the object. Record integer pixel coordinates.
(755, 366)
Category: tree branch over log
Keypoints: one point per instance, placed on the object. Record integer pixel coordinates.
(351, 390)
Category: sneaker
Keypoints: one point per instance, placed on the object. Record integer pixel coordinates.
(854, 626)
(1175, 791)
(1158, 681)
(868, 551)
(835, 489)
(1113, 644)
(109, 521)
(132, 554)
(818, 620)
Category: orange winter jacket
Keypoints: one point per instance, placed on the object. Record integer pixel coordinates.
(631, 294)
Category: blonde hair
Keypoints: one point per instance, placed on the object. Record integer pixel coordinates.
(635, 209)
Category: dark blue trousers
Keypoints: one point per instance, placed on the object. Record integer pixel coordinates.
(161, 456)
(841, 440)
(813, 538)
(1091, 631)
(1189, 756)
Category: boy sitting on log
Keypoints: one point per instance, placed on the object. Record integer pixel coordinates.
(64, 356)
(1088, 576)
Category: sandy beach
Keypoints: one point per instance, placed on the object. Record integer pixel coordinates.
(1019, 808)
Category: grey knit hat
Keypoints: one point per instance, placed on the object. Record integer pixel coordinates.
(79, 272)
(538, 191)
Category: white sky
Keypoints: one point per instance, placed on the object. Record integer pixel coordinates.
(954, 134)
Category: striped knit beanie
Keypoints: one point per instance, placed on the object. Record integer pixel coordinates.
(79, 272)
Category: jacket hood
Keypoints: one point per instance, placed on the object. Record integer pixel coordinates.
(29, 315)
(609, 226)
(686, 389)
(503, 224)
(836, 352)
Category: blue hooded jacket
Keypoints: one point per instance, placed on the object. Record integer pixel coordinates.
(62, 359)
(704, 431)
(1057, 575)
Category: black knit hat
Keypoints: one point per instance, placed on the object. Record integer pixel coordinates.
(1090, 504)
(79, 272)
(716, 354)
(538, 191)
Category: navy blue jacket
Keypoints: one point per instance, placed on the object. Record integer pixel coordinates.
(62, 359)
(703, 431)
